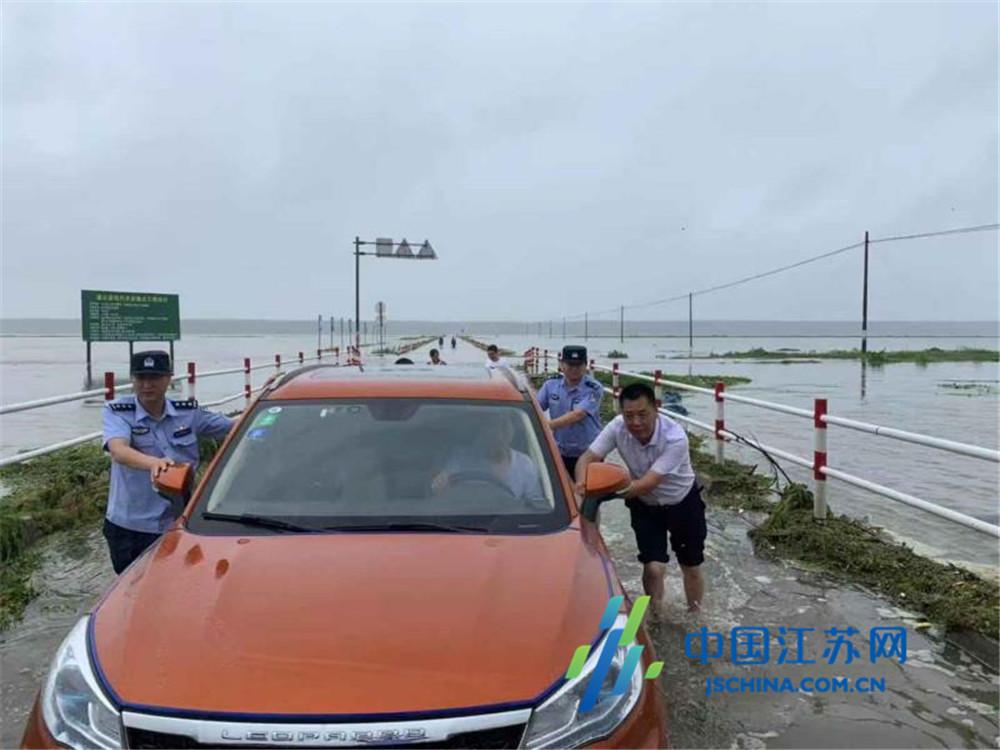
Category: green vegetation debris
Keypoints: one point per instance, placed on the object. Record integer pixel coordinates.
(615, 354)
(946, 594)
(874, 358)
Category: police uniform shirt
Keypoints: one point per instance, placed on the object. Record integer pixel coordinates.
(560, 398)
(666, 453)
(132, 501)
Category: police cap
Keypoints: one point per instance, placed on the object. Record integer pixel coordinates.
(151, 363)
(574, 354)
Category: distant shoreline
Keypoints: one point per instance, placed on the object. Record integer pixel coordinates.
(552, 329)
(591, 336)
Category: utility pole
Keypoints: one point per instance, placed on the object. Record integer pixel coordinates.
(690, 322)
(586, 326)
(564, 328)
(357, 291)
(864, 305)
(621, 323)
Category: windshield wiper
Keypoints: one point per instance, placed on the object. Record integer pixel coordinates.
(410, 526)
(264, 522)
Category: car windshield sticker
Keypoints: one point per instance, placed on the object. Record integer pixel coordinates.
(274, 410)
(258, 433)
(265, 420)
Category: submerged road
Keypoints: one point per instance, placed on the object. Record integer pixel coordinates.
(942, 696)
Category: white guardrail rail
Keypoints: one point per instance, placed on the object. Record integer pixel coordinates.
(537, 362)
(190, 378)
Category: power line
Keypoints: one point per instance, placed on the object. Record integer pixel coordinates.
(779, 270)
(962, 230)
(764, 274)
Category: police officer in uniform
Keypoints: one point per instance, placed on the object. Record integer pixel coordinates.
(145, 433)
(574, 404)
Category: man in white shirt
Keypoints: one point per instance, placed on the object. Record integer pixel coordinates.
(493, 358)
(663, 496)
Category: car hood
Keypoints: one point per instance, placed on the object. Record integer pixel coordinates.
(337, 624)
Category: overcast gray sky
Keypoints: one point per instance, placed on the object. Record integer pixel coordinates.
(559, 157)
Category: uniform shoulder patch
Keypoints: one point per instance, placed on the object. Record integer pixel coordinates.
(595, 385)
(190, 403)
(121, 406)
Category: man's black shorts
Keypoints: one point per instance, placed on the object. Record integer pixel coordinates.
(685, 522)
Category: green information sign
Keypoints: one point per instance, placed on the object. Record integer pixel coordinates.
(130, 316)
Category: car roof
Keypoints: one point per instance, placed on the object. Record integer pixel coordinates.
(474, 382)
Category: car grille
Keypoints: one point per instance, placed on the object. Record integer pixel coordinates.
(501, 737)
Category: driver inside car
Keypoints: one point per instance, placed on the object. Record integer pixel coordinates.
(489, 458)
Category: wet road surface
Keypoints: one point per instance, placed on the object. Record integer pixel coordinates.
(941, 697)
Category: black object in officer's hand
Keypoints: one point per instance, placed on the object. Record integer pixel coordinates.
(154, 362)
(574, 354)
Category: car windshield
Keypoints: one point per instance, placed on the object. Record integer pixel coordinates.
(398, 464)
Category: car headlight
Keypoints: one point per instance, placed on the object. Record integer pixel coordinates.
(74, 707)
(558, 722)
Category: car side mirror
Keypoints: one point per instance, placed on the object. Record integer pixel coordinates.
(603, 481)
(176, 484)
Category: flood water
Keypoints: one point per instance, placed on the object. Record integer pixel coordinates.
(904, 396)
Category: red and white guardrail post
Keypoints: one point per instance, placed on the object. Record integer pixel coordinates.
(109, 386)
(247, 390)
(658, 389)
(302, 358)
(319, 354)
(191, 380)
(615, 390)
(277, 362)
(720, 421)
(819, 459)
(546, 361)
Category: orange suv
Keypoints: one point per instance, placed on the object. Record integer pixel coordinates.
(377, 557)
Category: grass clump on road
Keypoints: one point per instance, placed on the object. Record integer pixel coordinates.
(946, 594)
(62, 490)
